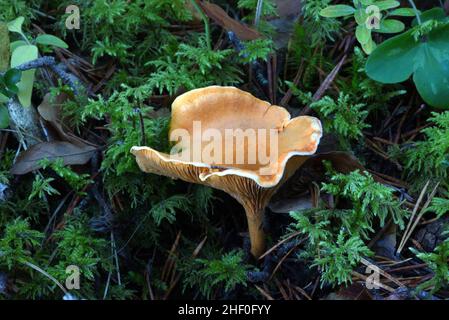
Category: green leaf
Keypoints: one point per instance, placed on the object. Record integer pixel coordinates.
(8, 81)
(362, 34)
(3, 98)
(12, 76)
(16, 25)
(339, 10)
(387, 4)
(369, 47)
(432, 14)
(4, 117)
(21, 55)
(432, 80)
(399, 57)
(360, 17)
(50, 40)
(432, 70)
(390, 26)
(392, 61)
(403, 12)
(3, 90)
(15, 44)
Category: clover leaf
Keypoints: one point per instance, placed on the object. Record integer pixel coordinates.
(426, 58)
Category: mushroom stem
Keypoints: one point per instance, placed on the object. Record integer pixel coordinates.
(255, 228)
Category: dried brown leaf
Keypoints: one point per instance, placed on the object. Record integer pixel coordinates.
(72, 154)
(221, 18)
(50, 111)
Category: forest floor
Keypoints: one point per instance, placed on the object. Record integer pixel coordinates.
(365, 217)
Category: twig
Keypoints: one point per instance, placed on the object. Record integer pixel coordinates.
(401, 123)
(53, 216)
(17, 131)
(178, 277)
(49, 276)
(325, 85)
(382, 272)
(303, 292)
(142, 129)
(315, 286)
(415, 209)
(410, 230)
(378, 150)
(148, 272)
(279, 243)
(50, 62)
(282, 260)
(168, 263)
(412, 267)
(376, 283)
(380, 234)
(274, 63)
(258, 12)
(289, 93)
(117, 265)
(418, 16)
(264, 293)
(281, 289)
(270, 79)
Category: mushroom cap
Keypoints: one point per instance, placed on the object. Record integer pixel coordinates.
(230, 140)
(269, 139)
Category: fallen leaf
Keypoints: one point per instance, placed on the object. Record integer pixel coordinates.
(50, 111)
(72, 149)
(221, 18)
(72, 154)
(49, 107)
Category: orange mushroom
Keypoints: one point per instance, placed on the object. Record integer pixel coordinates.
(230, 140)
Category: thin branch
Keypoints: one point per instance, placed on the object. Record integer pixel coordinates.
(50, 62)
(418, 15)
(258, 12)
(325, 85)
(29, 264)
